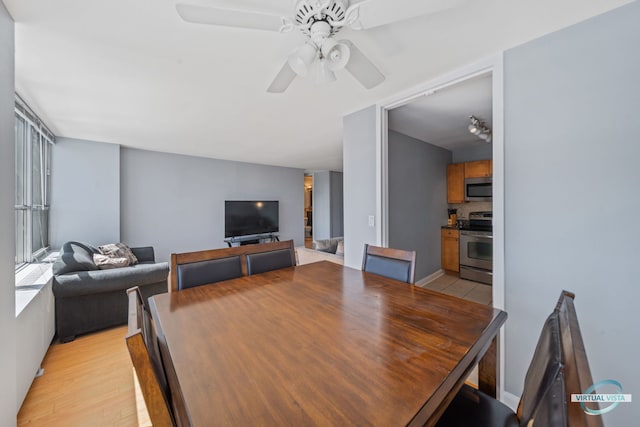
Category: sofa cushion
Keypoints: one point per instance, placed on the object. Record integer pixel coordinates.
(75, 256)
(104, 262)
(144, 254)
(97, 281)
(327, 245)
(118, 250)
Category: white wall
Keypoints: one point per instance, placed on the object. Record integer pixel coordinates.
(359, 175)
(35, 328)
(572, 198)
(85, 192)
(417, 199)
(7, 242)
(176, 203)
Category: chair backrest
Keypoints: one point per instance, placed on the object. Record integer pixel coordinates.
(271, 260)
(199, 273)
(392, 263)
(139, 343)
(559, 368)
(577, 374)
(214, 265)
(544, 375)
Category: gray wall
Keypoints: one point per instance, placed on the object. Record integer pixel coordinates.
(327, 205)
(7, 242)
(417, 199)
(481, 151)
(321, 205)
(176, 203)
(337, 204)
(85, 192)
(571, 203)
(359, 159)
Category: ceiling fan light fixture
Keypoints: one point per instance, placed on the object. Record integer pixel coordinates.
(336, 54)
(323, 73)
(301, 59)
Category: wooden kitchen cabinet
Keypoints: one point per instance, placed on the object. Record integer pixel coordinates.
(450, 242)
(455, 183)
(478, 169)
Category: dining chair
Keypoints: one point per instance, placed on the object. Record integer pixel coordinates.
(142, 351)
(395, 264)
(270, 256)
(558, 368)
(193, 269)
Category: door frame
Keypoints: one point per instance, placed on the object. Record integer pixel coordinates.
(493, 66)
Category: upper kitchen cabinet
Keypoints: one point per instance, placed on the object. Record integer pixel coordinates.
(455, 183)
(478, 169)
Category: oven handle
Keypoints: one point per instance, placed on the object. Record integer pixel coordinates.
(483, 236)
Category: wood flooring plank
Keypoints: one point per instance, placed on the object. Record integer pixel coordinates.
(87, 382)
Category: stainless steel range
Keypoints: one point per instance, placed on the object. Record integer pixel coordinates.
(476, 247)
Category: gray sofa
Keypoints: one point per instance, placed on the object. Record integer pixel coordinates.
(88, 299)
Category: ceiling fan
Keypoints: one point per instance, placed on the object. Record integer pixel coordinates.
(319, 21)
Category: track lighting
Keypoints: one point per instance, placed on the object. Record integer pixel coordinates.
(478, 128)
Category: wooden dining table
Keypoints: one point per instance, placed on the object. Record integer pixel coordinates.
(318, 345)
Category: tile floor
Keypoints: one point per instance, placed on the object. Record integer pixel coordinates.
(461, 288)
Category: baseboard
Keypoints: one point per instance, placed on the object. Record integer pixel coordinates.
(430, 278)
(511, 400)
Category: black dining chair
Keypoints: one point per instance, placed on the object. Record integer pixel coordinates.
(271, 256)
(145, 356)
(559, 367)
(193, 269)
(395, 264)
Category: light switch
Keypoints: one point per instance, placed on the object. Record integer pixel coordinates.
(372, 220)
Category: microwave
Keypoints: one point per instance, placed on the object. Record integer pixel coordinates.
(478, 189)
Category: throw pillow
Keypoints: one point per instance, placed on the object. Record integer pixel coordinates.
(340, 248)
(119, 250)
(105, 262)
(74, 256)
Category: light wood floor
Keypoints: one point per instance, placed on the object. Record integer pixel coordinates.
(87, 382)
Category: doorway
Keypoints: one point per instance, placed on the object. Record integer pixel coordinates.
(308, 211)
(428, 138)
(492, 67)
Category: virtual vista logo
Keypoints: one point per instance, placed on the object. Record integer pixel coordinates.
(594, 403)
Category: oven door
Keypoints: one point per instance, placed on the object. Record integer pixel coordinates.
(476, 249)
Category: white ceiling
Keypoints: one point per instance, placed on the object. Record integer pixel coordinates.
(442, 118)
(131, 72)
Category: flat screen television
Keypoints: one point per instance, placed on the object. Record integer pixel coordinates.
(250, 217)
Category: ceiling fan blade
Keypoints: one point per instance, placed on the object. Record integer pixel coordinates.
(283, 79)
(361, 68)
(229, 17)
(375, 13)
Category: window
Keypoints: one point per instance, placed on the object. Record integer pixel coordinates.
(33, 170)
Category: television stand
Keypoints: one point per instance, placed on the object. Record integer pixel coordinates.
(251, 240)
